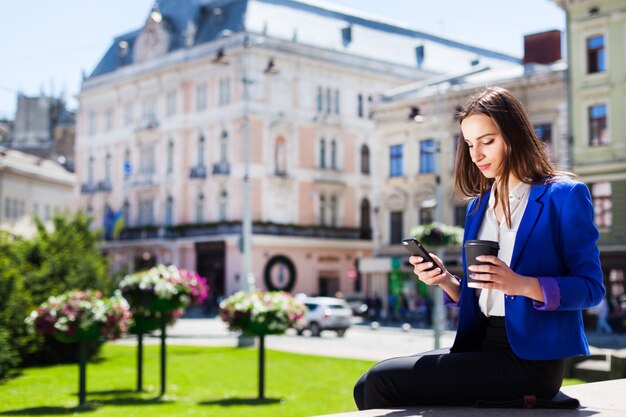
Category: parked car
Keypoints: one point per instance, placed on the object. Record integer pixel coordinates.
(357, 303)
(325, 313)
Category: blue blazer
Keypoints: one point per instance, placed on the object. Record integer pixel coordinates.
(556, 239)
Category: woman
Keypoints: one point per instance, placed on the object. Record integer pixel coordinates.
(524, 317)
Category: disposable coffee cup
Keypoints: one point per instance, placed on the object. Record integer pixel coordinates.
(474, 248)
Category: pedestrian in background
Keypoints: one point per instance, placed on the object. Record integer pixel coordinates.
(525, 316)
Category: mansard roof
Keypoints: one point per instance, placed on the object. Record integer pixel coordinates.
(309, 22)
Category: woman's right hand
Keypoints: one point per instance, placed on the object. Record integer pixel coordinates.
(438, 276)
(435, 277)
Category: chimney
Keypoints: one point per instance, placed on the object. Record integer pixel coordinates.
(542, 48)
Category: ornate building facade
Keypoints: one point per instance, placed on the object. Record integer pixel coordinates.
(211, 98)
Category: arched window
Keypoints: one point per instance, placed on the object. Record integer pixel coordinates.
(200, 208)
(280, 156)
(322, 210)
(323, 153)
(365, 159)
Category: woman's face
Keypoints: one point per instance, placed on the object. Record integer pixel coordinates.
(486, 144)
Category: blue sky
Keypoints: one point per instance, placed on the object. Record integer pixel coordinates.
(45, 45)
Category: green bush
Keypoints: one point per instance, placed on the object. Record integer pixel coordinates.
(15, 305)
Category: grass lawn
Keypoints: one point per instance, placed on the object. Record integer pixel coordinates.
(201, 381)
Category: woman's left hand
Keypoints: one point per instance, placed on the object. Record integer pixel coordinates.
(498, 276)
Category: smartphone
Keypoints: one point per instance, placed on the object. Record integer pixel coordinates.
(416, 249)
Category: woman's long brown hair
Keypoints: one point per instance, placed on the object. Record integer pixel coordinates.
(525, 153)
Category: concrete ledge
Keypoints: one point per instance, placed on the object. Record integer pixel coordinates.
(597, 399)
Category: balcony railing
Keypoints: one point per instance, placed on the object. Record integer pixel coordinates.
(105, 186)
(221, 168)
(198, 172)
(88, 188)
(234, 228)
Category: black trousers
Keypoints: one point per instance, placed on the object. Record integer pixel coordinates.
(493, 373)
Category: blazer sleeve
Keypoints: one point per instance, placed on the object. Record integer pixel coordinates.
(583, 286)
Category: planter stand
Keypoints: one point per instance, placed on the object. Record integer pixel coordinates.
(163, 335)
(82, 372)
(261, 367)
(139, 362)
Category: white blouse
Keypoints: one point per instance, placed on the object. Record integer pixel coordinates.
(491, 302)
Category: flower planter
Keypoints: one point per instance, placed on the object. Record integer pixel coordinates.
(157, 297)
(261, 314)
(79, 317)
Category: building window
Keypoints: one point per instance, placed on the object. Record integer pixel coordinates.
(366, 223)
(460, 213)
(125, 213)
(224, 146)
(427, 215)
(170, 103)
(108, 120)
(128, 114)
(146, 211)
(396, 227)
(333, 211)
(328, 100)
(200, 208)
(333, 154)
(170, 157)
(337, 101)
(90, 169)
(596, 60)
(223, 207)
(544, 132)
(280, 156)
(201, 96)
(107, 168)
(224, 93)
(200, 152)
(395, 161)
(146, 160)
(359, 105)
(597, 120)
(169, 211)
(322, 210)
(601, 194)
(319, 99)
(427, 156)
(365, 159)
(91, 129)
(149, 108)
(322, 153)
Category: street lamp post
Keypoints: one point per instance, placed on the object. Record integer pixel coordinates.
(246, 223)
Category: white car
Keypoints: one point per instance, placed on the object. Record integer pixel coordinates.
(325, 313)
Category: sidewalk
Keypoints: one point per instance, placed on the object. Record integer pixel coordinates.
(361, 342)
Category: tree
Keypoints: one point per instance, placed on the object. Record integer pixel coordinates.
(67, 257)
